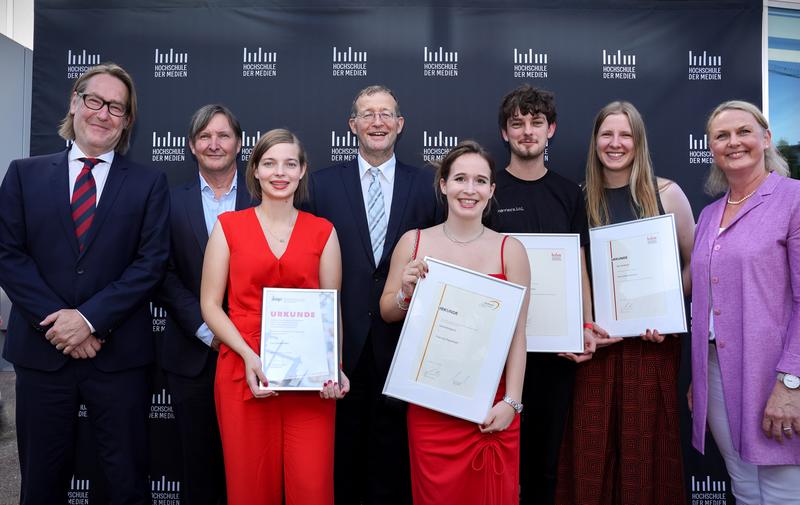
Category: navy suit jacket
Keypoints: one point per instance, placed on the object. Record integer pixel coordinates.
(336, 195)
(182, 352)
(42, 269)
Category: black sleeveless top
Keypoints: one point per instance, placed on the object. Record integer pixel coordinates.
(621, 207)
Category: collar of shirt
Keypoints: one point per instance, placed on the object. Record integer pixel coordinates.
(205, 187)
(99, 172)
(386, 169)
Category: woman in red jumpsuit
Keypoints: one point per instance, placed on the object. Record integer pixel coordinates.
(276, 447)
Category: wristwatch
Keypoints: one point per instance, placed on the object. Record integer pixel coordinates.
(517, 406)
(789, 380)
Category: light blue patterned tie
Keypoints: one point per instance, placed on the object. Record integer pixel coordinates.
(376, 215)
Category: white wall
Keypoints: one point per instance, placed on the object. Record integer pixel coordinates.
(16, 21)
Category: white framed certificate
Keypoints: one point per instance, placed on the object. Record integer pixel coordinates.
(555, 308)
(636, 274)
(299, 338)
(455, 340)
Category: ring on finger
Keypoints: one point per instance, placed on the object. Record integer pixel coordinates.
(787, 429)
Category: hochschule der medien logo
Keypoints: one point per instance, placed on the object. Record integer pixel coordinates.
(80, 61)
(168, 148)
(171, 64)
(165, 492)
(161, 405)
(248, 143)
(436, 145)
(530, 65)
(78, 493)
(349, 63)
(258, 63)
(439, 63)
(617, 65)
(343, 147)
(704, 67)
(698, 150)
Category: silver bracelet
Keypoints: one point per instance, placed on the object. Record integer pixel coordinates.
(402, 304)
(517, 406)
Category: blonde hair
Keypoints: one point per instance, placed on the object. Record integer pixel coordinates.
(642, 180)
(716, 182)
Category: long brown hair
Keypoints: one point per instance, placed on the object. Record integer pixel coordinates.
(642, 180)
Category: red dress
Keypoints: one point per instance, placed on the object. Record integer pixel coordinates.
(452, 462)
(279, 445)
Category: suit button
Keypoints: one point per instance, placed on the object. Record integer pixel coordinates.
(715, 280)
(716, 247)
(717, 312)
(721, 345)
(79, 271)
(369, 313)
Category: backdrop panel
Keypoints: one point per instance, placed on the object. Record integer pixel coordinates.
(298, 65)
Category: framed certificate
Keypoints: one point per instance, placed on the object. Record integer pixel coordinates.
(299, 338)
(455, 340)
(555, 309)
(636, 274)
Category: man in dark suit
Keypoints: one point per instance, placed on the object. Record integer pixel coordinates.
(83, 243)
(371, 201)
(189, 350)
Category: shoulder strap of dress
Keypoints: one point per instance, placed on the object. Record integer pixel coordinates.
(502, 255)
(416, 244)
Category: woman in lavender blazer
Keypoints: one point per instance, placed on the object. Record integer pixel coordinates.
(746, 310)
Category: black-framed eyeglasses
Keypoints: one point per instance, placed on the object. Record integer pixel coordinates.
(96, 103)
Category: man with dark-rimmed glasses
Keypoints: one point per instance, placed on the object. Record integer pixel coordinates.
(83, 242)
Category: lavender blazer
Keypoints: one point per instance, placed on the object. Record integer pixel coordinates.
(751, 271)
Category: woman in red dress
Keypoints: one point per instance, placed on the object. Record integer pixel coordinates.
(452, 460)
(275, 447)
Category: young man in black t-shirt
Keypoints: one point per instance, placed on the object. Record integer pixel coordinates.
(529, 198)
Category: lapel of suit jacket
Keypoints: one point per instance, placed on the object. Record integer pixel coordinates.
(193, 204)
(243, 199)
(352, 187)
(116, 179)
(59, 181)
(400, 198)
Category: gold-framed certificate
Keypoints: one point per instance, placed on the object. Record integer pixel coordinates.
(555, 307)
(636, 274)
(299, 338)
(455, 340)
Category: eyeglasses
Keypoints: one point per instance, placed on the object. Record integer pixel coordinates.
(96, 103)
(372, 116)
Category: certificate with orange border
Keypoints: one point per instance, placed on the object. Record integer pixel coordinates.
(636, 277)
(454, 342)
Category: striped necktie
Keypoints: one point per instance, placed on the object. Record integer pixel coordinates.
(376, 215)
(84, 200)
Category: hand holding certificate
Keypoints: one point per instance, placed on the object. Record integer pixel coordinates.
(454, 342)
(637, 277)
(299, 343)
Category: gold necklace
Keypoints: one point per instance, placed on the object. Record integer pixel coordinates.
(462, 242)
(288, 233)
(737, 202)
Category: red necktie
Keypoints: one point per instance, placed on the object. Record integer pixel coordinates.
(84, 198)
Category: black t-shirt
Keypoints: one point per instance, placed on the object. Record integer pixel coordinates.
(551, 204)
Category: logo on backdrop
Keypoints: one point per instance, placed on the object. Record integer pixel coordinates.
(165, 492)
(437, 145)
(703, 67)
(698, 150)
(343, 147)
(259, 63)
(171, 65)
(439, 63)
(618, 65)
(79, 62)
(78, 493)
(349, 63)
(708, 492)
(530, 65)
(248, 143)
(169, 148)
(161, 406)
(159, 318)
(82, 412)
